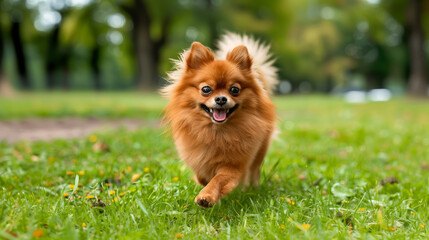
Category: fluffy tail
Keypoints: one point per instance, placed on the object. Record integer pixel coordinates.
(262, 67)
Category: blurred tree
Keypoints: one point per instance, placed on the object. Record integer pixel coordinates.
(58, 56)
(417, 85)
(320, 42)
(80, 29)
(409, 15)
(1, 50)
(95, 65)
(272, 22)
(151, 21)
(5, 86)
(18, 46)
(4, 83)
(3, 80)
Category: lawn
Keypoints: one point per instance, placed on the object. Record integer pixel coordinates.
(325, 177)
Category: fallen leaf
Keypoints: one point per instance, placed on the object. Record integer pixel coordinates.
(48, 183)
(45, 225)
(100, 146)
(390, 180)
(135, 177)
(11, 233)
(99, 204)
(17, 154)
(35, 158)
(38, 233)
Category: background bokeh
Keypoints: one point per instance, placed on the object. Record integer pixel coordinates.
(320, 45)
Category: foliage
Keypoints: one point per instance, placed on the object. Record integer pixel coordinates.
(322, 42)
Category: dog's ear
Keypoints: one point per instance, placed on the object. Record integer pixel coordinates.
(198, 56)
(241, 57)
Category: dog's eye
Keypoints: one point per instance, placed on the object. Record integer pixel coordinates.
(234, 91)
(206, 90)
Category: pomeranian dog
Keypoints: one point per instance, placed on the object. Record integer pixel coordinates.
(221, 117)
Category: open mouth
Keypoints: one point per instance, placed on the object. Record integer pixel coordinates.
(219, 115)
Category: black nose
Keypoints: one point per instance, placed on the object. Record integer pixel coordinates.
(221, 100)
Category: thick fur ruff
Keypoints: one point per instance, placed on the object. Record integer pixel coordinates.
(224, 143)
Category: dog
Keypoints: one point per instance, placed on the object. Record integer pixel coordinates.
(220, 113)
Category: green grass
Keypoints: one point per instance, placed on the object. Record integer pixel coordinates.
(85, 104)
(351, 147)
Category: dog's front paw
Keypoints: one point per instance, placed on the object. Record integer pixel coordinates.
(205, 201)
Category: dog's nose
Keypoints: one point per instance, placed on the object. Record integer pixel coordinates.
(221, 100)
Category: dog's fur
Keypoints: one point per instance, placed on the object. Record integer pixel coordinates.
(222, 155)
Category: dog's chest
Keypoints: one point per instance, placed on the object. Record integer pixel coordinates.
(204, 156)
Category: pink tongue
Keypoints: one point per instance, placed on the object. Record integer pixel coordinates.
(219, 114)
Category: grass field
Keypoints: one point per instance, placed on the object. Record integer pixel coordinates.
(322, 178)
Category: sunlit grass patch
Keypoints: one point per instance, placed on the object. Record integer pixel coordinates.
(329, 175)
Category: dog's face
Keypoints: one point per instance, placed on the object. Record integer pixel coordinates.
(218, 90)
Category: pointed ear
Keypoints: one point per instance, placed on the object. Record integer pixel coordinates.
(198, 56)
(241, 57)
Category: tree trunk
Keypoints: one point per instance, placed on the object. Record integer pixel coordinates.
(64, 66)
(1, 57)
(147, 68)
(21, 61)
(5, 88)
(65, 81)
(52, 58)
(95, 65)
(417, 85)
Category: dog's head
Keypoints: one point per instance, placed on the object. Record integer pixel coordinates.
(218, 89)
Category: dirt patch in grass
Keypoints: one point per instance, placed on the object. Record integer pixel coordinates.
(36, 129)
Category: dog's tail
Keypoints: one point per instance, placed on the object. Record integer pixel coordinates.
(263, 68)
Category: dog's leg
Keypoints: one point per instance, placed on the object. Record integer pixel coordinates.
(200, 180)
(257, 162)
(225, 180)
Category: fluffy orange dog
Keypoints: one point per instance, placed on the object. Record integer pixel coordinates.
(220, 113)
